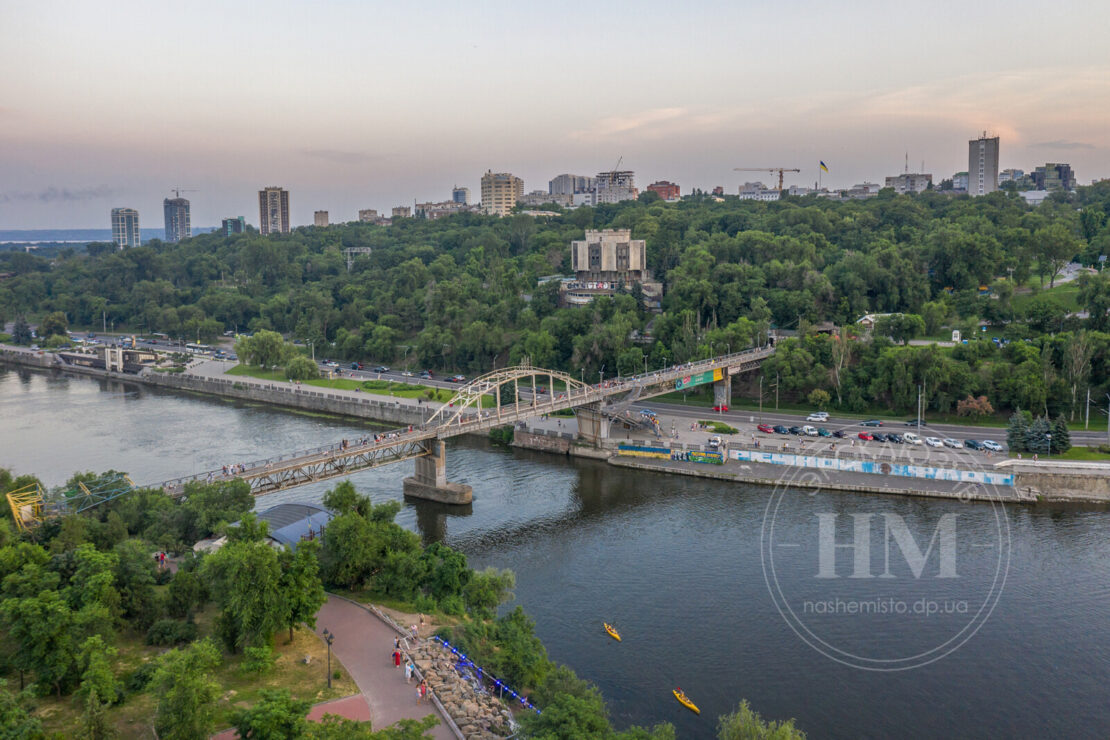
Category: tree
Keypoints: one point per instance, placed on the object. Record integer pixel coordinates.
(569, 717)
(972, 406)
(301, 587)
(16, 723)
(1036, 436)
(901, 327)
(343, 499)
(746, 724)
(818, 398)
(245, 578)
(53, 324)
(99, 688)
(1054, 246)
(487, 590)
(264, 349)
(301, 368)
(1017, 431)
(186, 694)
(21, 332)
(136, 577)
(1061, 437)
(1094, 296)
(276, 716)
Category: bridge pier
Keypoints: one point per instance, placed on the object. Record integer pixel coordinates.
(429, 479)
(722, 390)
(593, 426)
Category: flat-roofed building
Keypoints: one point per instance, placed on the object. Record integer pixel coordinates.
(236, 225)
(666, 190)
(176, 212)
(125, 228)
(320, 219)
(273, 211)
(607, 261)
(909, 182)
(982, 165)
(500, 192)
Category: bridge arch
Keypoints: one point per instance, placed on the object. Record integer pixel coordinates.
(470, 395)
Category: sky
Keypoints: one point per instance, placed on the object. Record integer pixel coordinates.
(354, 104)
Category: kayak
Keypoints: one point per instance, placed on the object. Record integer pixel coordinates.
(681, 696)
(612, 631)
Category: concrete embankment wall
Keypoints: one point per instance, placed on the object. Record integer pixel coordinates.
(32, 359)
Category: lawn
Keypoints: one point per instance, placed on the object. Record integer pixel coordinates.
(378, 387)
(135, 716)
(1066, 294)
(1089, 454)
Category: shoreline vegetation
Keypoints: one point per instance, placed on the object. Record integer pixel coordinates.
(101, 640)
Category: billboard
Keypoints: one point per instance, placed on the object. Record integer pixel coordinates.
(713, 458)
(709, 376)
(662, 453)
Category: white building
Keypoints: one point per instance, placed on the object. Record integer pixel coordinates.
(910, 182)
(982, 165)
(757, 191)
(615, 186)
(571, 185)
(125, 227)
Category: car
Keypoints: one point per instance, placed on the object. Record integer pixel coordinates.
(34, 347)
(911, 439)
(356, 366)
(780, 429)
(955, 444)
(914, 422)
(233, 356)
(871, 423)
(457, 379)
(796, 430)
(895, 438)
(934, 442)
(332, 364)
(878, 436)
(818, 416)
(839, 434)
(646, 413)
(809, 431)
(381, 369)
(426, 374)
(973, 444)
(720, 408)
(991, 445)
(714, 443)
(407, 373)
(765, 428)
(866, 436)
(822, 432)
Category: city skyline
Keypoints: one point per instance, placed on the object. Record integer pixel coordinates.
(749, 87)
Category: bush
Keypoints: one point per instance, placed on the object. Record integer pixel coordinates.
(301, 368)
(139, 679)
(167, 632)
(501, 435)
(258, 659)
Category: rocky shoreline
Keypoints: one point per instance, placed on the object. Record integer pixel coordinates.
(479, 716)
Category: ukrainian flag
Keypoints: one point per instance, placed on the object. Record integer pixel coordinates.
(824, 167)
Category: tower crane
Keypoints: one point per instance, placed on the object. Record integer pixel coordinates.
(177, 191)
(779, 170)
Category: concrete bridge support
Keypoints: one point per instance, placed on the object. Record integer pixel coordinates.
(722, 390)
(429, 479)
(593, 426)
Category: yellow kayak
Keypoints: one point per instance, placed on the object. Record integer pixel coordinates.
(681, 696)
(612, 631)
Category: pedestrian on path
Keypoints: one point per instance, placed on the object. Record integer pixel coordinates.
(408, 672)
(396, 658)
(415, 632)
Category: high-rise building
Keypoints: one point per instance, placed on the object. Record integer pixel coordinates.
(1054, 176)
(910, 182)
(320, 218)
(273, 211)
(571, 184)
(367, 214)
(666, 190)
(460, 195)
(125, 227)
(615, 186)
(500, 192)
(176, 211)
(982, 165)
(959, 181)
(234, 225)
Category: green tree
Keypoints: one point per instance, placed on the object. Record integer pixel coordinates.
(818, 398)
(186, 693)
(99, 689)
(275, 716)
(301, 368)
(569, 717)
(1054, 246)
(1036, 436)
(136, 576)
(746, 724)
(487, 590)
(245, 579)
(301, 587)
(343, 499)
(1094, 297)
(1061, 437)
(21, 331)
(16, 723)
(53, 324)
(264, 349)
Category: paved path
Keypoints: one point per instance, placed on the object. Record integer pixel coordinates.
(363, 644)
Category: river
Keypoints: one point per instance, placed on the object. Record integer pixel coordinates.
(697, 574)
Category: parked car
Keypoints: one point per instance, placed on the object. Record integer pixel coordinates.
(765, 428)
(913, 423)
(818, 416)
(796, 430)
(878, 436)
(780, 429)
(809, 431)
(973, 444)
(991, 445)
(871, 423)
(866, 436)
(934, 442)
(720, 408)
(955, 444)
(839, 434)
(426, 374)
(714, 443)
(911, 439)
(381, 369)
(895, 438)
(822, 432)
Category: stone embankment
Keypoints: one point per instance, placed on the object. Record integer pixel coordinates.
(479, 716)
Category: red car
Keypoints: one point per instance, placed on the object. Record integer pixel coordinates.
(766, 428)
(865, 436)
(720, 408)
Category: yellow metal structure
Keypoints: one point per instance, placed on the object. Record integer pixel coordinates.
(27, 506)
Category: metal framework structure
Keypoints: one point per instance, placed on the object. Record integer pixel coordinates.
(28, 505)
(31, 506)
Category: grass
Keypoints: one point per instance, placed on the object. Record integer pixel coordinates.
(1066, 294)
(378, 387)
(1089, 454)
(135, 716)
(718, 427)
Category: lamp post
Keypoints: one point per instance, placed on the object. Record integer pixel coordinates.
(600, 376)
(760, 399)
(329, 638)
(1048, 444)
(312, 347)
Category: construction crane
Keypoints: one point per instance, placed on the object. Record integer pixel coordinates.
(779, 170)
(179, 190)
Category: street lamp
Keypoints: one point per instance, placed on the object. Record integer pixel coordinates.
(1048, 444)
(760, 399)
(601, 375)
(329, 638)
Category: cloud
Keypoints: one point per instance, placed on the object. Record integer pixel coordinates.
(630, 124)
(1062, 144)
(337, 156)
(54, 194)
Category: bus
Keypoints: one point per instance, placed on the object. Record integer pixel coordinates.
(197, 349)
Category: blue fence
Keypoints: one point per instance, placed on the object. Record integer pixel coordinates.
(497, 683)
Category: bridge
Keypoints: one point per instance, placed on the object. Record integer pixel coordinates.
(497, 398)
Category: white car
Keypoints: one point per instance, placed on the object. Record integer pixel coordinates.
(953, 443)
(911, 439)
(714, 443)
(407, 373)
(818, 416)
(934, 442)
(992, 445)
(809, 431)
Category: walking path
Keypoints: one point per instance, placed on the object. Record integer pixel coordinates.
(363, 643)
